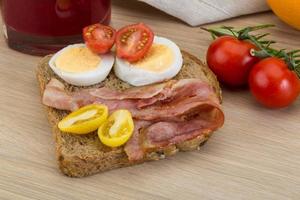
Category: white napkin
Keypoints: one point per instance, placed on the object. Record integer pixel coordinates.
(197, 12)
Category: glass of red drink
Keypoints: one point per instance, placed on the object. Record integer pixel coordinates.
(41, 27)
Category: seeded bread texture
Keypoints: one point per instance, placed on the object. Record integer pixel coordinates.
(83, 155)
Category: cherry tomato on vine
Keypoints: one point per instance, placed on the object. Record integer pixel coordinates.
(230, 59)
(273, 84)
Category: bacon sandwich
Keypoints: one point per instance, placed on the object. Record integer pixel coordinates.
(175, 115)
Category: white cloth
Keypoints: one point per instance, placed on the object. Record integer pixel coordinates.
(197, 12)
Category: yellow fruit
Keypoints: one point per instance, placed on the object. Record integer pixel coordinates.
(287, 10)
(85, 120)
(117, 130)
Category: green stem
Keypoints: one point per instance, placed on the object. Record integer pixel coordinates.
(218, 32)
(262, 52)
(255, 28)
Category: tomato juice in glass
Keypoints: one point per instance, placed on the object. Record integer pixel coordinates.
(40, 27)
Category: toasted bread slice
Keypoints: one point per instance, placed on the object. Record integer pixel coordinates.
(83, 155)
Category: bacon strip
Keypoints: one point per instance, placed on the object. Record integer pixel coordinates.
(134, 147)
(164, 114)
(168, 130)
(132, 93)
(55, 96)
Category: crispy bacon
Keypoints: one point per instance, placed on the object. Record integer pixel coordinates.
(164, 114)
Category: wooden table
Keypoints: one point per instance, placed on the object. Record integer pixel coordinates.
(256, 155)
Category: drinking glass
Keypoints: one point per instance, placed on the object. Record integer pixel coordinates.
(41, 27)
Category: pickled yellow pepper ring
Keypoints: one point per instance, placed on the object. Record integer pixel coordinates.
(117, 130)
(85, 120)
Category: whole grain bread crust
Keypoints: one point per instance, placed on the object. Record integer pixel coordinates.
(83, 155)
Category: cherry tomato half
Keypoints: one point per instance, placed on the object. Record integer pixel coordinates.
(134, 41)
(99, 38)
(117, 129)
(230, 59)
(84, 120)
(273, 84)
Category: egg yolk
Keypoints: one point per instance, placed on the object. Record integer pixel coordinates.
(77, 59)
(159, 58)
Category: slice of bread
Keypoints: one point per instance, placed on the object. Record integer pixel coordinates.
(83, 155)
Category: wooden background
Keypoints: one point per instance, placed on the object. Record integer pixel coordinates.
(256, 155)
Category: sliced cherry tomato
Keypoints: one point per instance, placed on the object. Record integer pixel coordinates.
(117, 130)
(99, 38)
(273, 84)
(134, 41)
(85, 120)
(230, 59)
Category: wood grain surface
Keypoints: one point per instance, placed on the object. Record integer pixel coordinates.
(256, 155)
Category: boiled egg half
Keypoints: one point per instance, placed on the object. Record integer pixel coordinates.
(162, 62)
(78, 65)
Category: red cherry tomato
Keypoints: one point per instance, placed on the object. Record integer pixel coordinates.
(99, 38)
(273, 84)
(134, 41)
(230, 59)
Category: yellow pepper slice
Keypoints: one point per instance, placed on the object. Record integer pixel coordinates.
(117, 130)
(85, 120)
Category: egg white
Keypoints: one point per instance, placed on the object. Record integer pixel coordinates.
(87, 78)
(139, 77)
